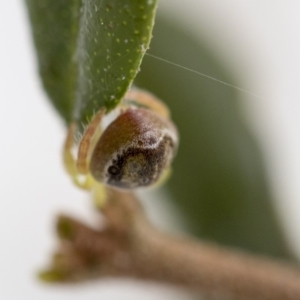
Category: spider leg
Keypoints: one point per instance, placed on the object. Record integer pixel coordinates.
(81, 167)
(69, 161)
(148, 100)
(99, 194)
(88, 140)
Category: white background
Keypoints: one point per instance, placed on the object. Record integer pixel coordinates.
(261, 41)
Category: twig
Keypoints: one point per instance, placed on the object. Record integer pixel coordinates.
(130, 246)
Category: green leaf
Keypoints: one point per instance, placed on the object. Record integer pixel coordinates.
(114, 36)
(90, 54)
(55, 27)
(219, 182)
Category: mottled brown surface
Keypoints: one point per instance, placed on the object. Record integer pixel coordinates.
(134, 150)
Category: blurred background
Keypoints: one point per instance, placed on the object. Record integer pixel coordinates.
(236, 177)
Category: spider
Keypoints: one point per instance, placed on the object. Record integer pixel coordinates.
(135, 150)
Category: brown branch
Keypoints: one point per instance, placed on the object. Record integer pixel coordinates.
(130, 246)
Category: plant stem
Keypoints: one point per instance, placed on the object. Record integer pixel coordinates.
(131, 246)
(213, 270)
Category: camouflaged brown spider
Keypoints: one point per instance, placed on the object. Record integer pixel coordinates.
(135, 150)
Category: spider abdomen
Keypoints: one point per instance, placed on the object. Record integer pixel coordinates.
(134, 150)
